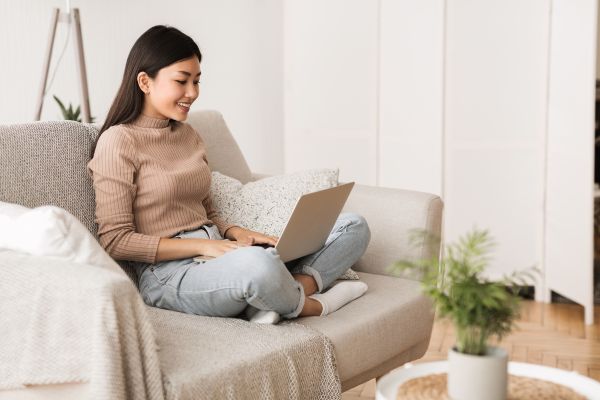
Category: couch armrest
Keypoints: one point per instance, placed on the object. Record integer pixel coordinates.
(392, 214)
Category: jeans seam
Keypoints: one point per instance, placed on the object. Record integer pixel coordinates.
(204, 291)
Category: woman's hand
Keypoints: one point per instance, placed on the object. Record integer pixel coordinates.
(248, 238)
(216, 248)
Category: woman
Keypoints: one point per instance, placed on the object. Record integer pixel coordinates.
(153, 206)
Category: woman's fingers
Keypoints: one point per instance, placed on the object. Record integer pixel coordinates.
(271, 240)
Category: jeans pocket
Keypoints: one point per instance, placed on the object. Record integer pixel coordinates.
(164, 272)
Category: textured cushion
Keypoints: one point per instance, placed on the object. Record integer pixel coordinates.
(266, 205)
(44, 163)
(391, 317)
(50, 231)
(222, 151)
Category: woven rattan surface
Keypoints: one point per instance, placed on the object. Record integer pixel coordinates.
(433, 387)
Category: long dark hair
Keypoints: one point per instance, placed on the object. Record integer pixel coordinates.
(158, 47)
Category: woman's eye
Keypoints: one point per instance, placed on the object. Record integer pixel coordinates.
(197, 82)
(182, 82)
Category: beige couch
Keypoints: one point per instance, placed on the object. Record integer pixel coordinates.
(44, 163)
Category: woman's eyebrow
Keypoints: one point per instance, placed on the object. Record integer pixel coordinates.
(188, 74)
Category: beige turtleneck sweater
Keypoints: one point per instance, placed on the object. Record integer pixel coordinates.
(151, 181)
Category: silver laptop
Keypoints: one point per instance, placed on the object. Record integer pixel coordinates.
(311, 221)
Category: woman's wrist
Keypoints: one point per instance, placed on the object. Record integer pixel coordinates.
(231, 233)
(175, 249)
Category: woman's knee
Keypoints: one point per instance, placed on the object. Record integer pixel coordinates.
(360, 225)
(263, 267)
(268, 283)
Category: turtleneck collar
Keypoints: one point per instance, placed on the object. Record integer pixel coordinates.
(145, 121)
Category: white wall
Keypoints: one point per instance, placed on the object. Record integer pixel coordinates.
(241, 42)
(363, 90)
(454, 97)
(411, 87)
(495, 107)
(330, 92)
(570, 144)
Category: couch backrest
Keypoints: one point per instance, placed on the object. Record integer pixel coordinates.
(223, 153)
(45, 162)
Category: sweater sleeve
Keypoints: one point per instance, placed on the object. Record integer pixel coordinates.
(113, 172)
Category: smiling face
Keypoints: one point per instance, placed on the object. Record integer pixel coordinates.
(173, 91)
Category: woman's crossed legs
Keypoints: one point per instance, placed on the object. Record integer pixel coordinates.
(226, 285)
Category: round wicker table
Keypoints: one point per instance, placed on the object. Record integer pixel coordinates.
(387, 387)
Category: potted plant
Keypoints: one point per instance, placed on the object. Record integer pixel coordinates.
(478, 308)
(68, 112)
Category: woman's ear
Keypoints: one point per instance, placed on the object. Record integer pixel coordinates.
(143, 82)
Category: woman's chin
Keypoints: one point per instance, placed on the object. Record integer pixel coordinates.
(178, 118)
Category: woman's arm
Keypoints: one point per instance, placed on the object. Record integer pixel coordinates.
(175, 249)
(113, 169)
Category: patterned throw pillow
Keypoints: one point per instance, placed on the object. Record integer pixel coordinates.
(265, 205)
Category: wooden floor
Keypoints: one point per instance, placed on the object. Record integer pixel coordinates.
(547, 334)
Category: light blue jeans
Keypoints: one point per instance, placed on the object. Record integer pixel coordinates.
(225, 285)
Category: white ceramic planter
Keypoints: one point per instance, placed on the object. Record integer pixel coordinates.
(478, 377)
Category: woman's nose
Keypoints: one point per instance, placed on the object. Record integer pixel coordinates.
(192, 92)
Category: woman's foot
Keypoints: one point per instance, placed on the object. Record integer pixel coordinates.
(339, 295)
(261, 316)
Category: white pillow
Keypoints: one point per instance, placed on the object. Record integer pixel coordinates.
(53, 232)
(12, 210)
(265, 205)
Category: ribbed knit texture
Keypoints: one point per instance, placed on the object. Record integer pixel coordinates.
(151, 180)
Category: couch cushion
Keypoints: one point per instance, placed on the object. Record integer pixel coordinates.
(388, 319)
(222, 151)
(217, 358)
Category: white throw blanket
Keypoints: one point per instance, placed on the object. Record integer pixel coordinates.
(64, 322)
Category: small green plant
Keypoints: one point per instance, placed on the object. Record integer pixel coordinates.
(478, 308)
(68, 113)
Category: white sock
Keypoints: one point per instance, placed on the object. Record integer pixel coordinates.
(340, 295)
(261, 316)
